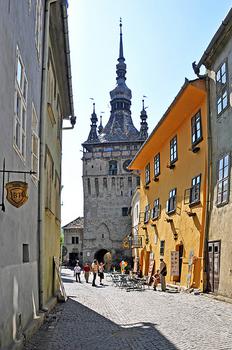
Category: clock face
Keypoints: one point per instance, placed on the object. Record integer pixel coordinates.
(125, 165)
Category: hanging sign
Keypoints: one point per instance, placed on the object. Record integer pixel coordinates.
(17, 193)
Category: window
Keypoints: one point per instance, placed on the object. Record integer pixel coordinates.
(223, 180)
(26, 253)
(38, 26)
(137, 181)
(57, 193)
(222, 88)
(89, 186)
(105, 183)
(96, 186)
(75, 240)
(147, 214)
(124, 211)
(130, 181)
(34, 144)
(195, 190)
(147, 174)
(113, 167)
(171, 202)
(49, 178)
(113, 182)
(162, 246)
(157, 165)
(173, 150)
(156, 209)
(196, 128)
(20, 106)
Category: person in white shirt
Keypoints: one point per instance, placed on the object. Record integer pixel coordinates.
(77, 272)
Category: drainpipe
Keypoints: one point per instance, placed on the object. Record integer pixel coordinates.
(209, 181)
(42, 150)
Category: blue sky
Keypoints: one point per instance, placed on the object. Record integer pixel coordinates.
(161, 40)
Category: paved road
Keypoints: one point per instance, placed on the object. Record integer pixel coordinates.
(109, 318)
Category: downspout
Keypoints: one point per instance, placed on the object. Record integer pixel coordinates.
(209, 184)
(42, 150)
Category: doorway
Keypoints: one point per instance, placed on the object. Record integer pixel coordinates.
(214, 250)
(73, 258)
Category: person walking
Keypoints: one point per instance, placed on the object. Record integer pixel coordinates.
(101, 272)
(86, 272)
(95, 271)
(77, 272)
(163, 274)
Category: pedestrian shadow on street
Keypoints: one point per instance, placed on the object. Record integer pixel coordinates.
(80, 328)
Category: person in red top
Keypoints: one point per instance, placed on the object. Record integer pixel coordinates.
(86, 272)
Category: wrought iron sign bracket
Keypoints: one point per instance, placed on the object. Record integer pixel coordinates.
(4, 171)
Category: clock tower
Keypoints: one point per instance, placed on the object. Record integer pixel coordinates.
(107, 184)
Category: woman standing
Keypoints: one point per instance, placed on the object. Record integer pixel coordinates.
(101, 272)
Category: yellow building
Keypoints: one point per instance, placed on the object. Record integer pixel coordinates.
(173, 189)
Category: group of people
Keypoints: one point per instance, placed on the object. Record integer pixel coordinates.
(96, 268)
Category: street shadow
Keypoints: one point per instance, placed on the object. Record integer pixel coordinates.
(79, 327)
(67, 280)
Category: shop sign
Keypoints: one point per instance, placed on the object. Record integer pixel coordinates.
(17, 193)
(175, 263)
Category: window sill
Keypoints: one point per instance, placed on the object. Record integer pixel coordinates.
(193, 204)
(194, 144)
(172, 212)
(219, 115)
(219, 205)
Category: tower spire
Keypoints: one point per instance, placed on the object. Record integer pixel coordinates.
(100, 128)
(93, 137)
(143, 125)
(120, 43)
(121, 66)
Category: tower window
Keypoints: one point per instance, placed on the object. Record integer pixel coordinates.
(113, 167)
(105, 182)
(97, 186)
(124, 211)
(89, 187)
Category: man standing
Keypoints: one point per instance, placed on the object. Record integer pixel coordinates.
(163, 273)
(77, 272)
(95, 267)
(86, 272)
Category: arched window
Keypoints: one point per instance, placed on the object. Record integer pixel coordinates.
(113, 167)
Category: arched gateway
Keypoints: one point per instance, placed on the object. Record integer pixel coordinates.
(103, 255)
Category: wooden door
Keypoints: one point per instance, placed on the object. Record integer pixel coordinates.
(213, 265)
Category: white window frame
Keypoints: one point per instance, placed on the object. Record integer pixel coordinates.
(20, 107)
(222, 95)
(38, 27)
(223, 180)
(35, 137)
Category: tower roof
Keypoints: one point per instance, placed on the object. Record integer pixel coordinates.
(120, 127)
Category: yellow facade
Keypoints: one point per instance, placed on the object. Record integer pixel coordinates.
(182, 228)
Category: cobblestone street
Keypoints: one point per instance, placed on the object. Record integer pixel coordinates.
(107, 317)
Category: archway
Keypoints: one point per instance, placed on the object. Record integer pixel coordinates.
(103, 255)
(99, 255)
